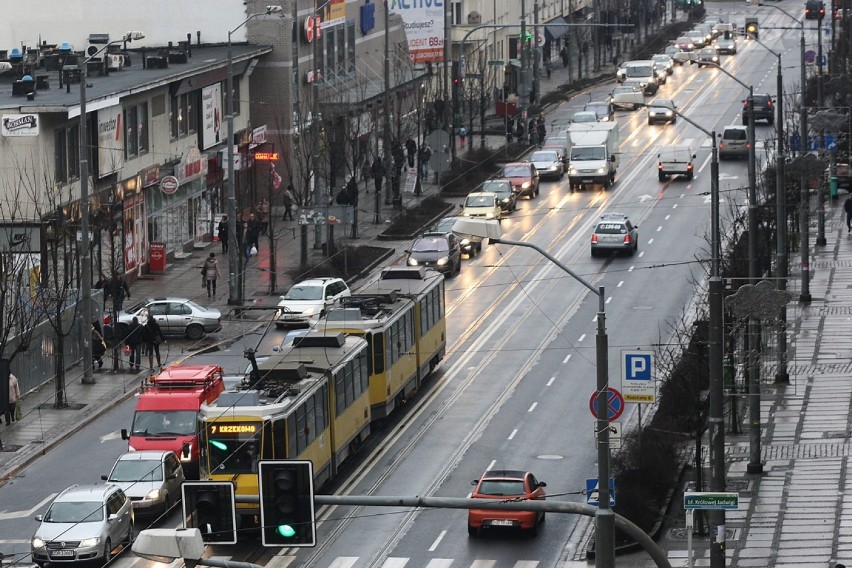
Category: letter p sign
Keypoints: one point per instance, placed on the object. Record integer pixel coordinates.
(637, 366)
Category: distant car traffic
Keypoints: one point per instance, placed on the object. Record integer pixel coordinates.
(763, 109)
(506, 485)
(665, 61)
(662, 110)
(470, 245)
(440, 251)
(175, 316)
(524, 178)
(582, 116)
(481, 205)
(733, 143)
(707, 56)
(505, 193)
(84, 523)
(548, 164)
(151, 479)
(726, 46)
(307, 301)
(628, 97)
(684, 43)
(615, 233)
(604, 111)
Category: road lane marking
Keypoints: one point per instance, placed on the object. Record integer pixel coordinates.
(280, 561)
(608, 300)
(582, 337)
(343, 562)
(550, 382)
(650, 241)
(532, 407)
(620, 283)
(631, 268)
(660, 228)
(483, 563)
(674, 206)
(491, 465)
(641, 254)
(666, 218)
(6, 515)
(437, 542)
(440, 563)
(566, 359)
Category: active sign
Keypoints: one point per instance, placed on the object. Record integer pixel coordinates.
(637, 377)
(709, 500)
(614, 404)
(592, 492)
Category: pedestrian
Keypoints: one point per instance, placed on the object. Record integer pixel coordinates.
(352, 191)
(14, 395)
(564, 55)
(366, 174)
(210, 271)
(119, 291)
(411, 151)
(263, 215)
(153, 335)
(510, 128)
(288, 199)
(462, 136)
(134, 340)
(847, 206)
(378, 174)
(251, 232)
(254, 228)
(102, 284)
(425, 156)
(548, 67)
(223, 233)
(98, 346)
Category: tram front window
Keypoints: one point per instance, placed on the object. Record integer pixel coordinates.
(233, 454)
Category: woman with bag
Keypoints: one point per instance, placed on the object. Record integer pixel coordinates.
(210, 271)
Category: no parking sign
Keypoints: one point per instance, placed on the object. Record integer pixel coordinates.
(637, 377)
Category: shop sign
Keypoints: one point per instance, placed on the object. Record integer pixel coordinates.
(150, 175)
(19, 125)
(110, 140)
(424, 28)
(192, 166)
(312, 28)
(169, 185)
(211, 115)
(258, 136)
(266, 156)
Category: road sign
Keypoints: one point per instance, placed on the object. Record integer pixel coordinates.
(810, 57)
(614, 403)
(637, 377)
(706, 500)
(592, 492)
(614, 435)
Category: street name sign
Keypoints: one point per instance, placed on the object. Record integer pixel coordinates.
(706, 500)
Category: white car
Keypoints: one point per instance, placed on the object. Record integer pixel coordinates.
(481, 205)
(548, 164)
(627, 97)
(584, 116)
(151, 479)
(307, 301)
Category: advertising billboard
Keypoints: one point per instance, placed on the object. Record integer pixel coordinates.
(211, 115)
(110, 140)
(424, 27)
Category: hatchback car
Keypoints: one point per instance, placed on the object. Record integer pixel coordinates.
(175, 316)
(763, 109)
(684, 43)
(548, 164)
(469, 244)
(726, 46)
(662, 110)
(707, 56)
(151, 479)
(584, 116)
(733, 142)
(481, 205)
(615, 233)
(506, 196)
(664, 61)
(603, 110)
(84, 523)
(307, 301)
(627, 97)
(441, 251)
(506, 485)
(524, 178)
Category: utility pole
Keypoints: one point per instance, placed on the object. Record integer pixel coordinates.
(524, 85)
(781, 375)
(536, 55)
(804, 244)
(820, 240)
(390, 167)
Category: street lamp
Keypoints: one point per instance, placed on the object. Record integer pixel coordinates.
(604, 517)
(717, 404)
(235, 295)
(86, 269)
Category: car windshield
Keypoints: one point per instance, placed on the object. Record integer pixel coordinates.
(661, 58)
(583, 153)
(516, 171)
(163, 423)
(611, 229)
(622, 90)
(301, 292)
(735, 134)
(497, 187)
(543, 157)
(137, 470)
(75, 512)
(639, 71)
(585, 116)
(502, 487)
(430, 244)
(445, 225)
(479, 201)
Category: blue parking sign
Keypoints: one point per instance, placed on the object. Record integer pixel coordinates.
(637, 376)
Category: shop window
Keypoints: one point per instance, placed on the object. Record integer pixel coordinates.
(183, 117)
(136, 122)
(67, 154)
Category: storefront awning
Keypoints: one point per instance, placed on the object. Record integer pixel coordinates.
(552, 32)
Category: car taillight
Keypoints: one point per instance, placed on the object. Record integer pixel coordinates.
(660, 166)
(769, 103)
(689, 166)
(627, 239)
(748, 146)
(721, 145)
(594, 238)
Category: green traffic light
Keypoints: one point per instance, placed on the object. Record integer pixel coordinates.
(219, 445)
(285, 530)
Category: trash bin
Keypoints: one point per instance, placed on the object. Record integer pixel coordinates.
(832, 186)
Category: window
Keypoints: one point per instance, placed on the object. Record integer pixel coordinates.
(456, 13)
(136, 124)
(67, 159)
(182, 114)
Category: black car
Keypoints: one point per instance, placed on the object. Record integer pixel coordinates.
(470, 245)
(439, 251)
(763, 109)
(506, 195)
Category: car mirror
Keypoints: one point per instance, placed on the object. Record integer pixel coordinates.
(184, 450)
(113, 517)
(105, 477)
(406, 251)
(39, 518)
(542, 484)
(124, 434)
(329, 297)
(474, 482)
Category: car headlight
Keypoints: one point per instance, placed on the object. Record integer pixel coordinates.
(90, 542)
(464, 242)
(669, 113)
(572, 171)
(412, 261)
(443, 260)
(503, 201)
(601, 170)
(153, 495)
(37, 542)
(489, 215)
(526, 185)
(605, 119)
(552, 168)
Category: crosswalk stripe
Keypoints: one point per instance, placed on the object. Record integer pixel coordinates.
(483, 564)
(280, 561)
(440, 563)
(395, 562)
(344, 562)
(526, 564)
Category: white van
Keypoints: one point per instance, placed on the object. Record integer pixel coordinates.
(733, 142)
(643, 74)
(675, 160)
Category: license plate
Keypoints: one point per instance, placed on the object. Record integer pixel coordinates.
(588, 180)
(502, 523)
(62, 553)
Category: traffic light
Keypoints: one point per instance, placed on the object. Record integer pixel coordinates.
(209, 507)
(752, 28)
(287, 503)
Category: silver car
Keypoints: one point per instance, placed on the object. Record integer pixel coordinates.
(176, 316)
(548, 164)
(84, 523)
(151, 479)
(615, 232)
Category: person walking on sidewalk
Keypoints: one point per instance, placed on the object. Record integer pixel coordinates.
(410, 151)
(134, 340)
(98, 346)
(564, 55)
(378, 174)
(548, 66)
(425, 156)
(210, 270)
(288, 200)
(462, 136)
(223, 233)
(118, 290)
(153, 336)
(847, 206)
(14, 395)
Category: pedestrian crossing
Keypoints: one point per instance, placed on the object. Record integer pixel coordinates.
(283, 561)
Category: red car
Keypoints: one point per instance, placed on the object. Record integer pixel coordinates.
(524, 178)
(505, 485)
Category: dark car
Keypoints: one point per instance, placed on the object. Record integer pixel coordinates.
(604, 111)
(814, 9)
(439, 251)
(506, 195)
(763, 109)
(470, 245)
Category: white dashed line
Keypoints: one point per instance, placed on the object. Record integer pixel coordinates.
(641, 254)
(660, 228)
(667, 217)
(608, 300)
(619, 284)
(630, 269)
(582, 337)
(512, 435)
(437, 541)
(674, 206)
(532, 407)
(550, 382)
(491, 465)
(567, 357)
(650, 241)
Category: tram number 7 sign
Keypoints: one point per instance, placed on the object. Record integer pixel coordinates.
(614, 404)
